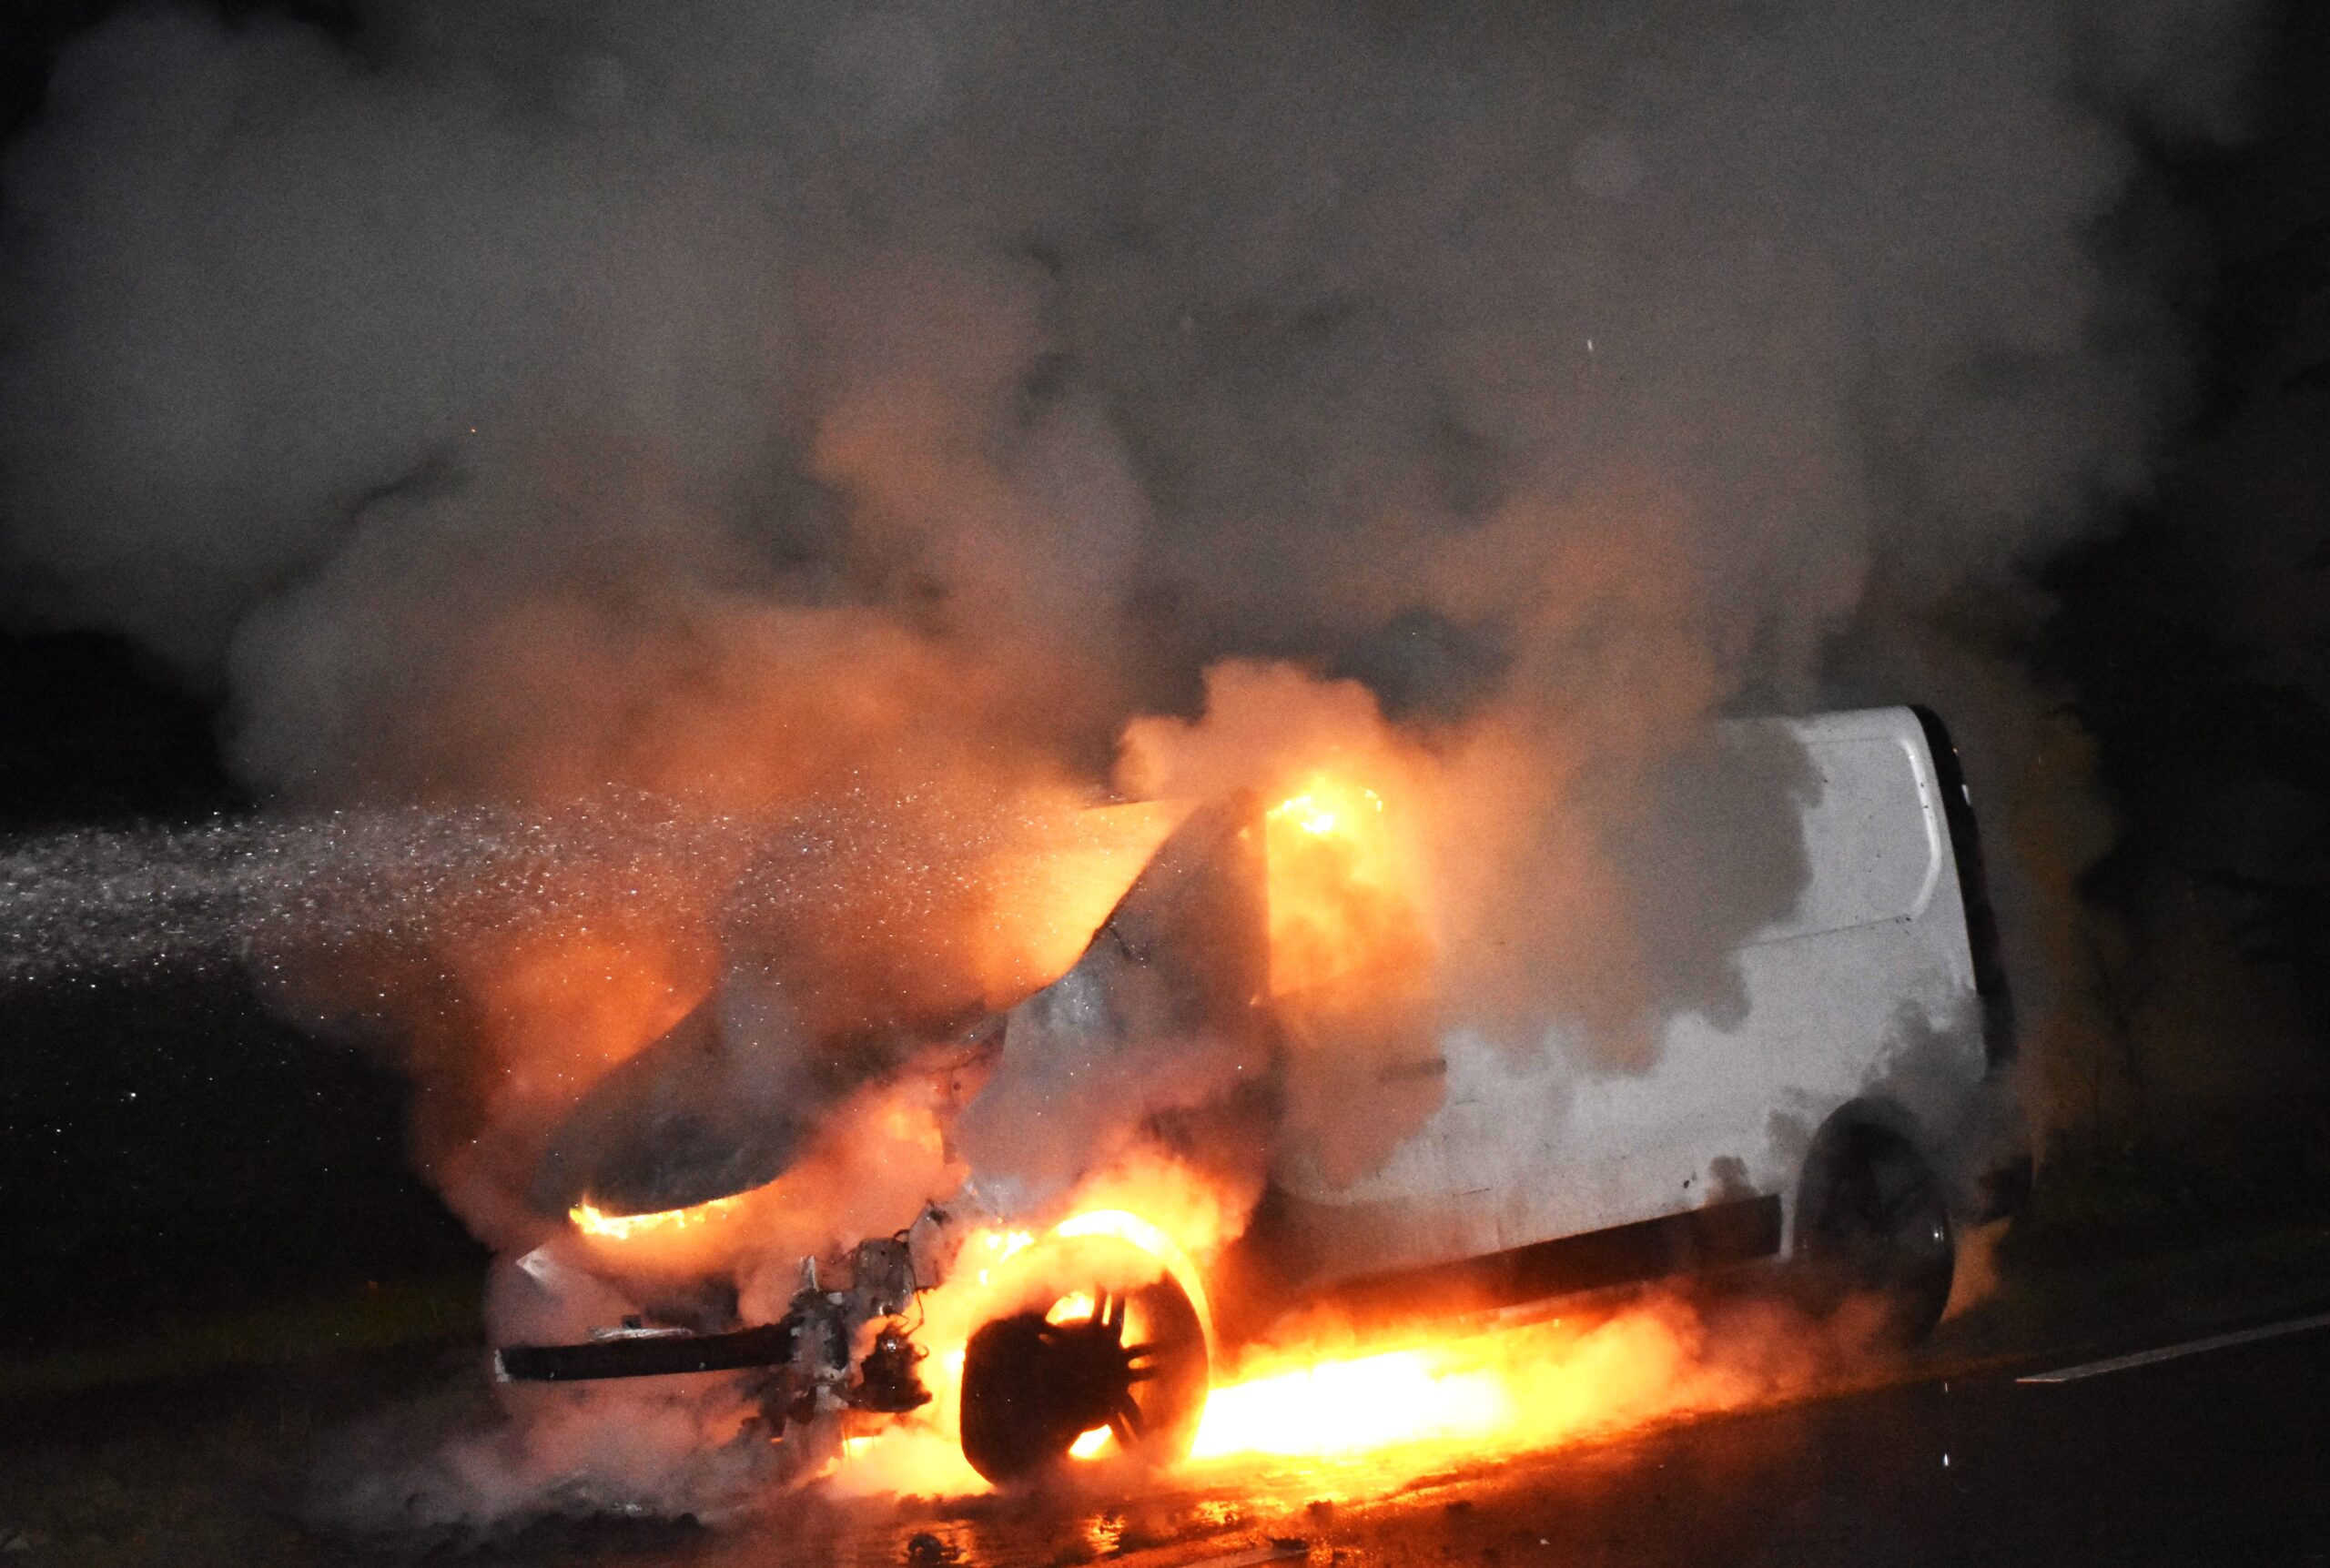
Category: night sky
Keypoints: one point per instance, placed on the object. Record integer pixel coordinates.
(166, 1138)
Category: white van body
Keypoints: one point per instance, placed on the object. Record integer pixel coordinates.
(1865, 995)
(1819, 1123)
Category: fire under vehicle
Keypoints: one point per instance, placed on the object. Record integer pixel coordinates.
(1818, 1126)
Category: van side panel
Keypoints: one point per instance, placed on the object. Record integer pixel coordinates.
(1867, 989)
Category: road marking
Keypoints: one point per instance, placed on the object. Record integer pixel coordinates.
(2171, 1352)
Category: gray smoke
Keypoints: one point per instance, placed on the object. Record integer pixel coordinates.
(464, 388)
(507, 402)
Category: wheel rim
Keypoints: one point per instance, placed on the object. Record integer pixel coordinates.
(1132, 1362)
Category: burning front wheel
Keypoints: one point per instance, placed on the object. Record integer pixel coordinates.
(1083, 1372)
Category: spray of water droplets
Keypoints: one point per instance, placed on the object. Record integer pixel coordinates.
(235, 890)
(255, 889)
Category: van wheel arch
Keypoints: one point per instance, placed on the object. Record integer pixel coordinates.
(1873, 1218)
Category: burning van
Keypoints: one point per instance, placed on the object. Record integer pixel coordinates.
(1412, 1158)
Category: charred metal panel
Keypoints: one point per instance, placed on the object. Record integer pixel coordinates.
(725, 1100)
(1162, 1011)
(1197, 916)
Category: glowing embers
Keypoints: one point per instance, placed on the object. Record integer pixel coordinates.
(591, 1221)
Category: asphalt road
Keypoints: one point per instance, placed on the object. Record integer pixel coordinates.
(2222, 1457)
(2219, 1457)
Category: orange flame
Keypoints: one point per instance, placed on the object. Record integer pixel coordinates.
(1339, 900)
(1356, 1416)
(1317, 816)
(1149, 1237)
(592, 1220)
(1375, 1417)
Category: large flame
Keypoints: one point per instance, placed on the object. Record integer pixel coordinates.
(1355, 1415)
(1479, 1393)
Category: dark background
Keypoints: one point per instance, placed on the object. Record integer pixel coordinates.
(168, 1145)
(165, 1144)
(155, 1160)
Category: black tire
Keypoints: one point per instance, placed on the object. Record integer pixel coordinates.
(1031, 1386)
(1873, 1219)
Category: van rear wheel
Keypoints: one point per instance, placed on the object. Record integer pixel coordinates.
(1873, 1220)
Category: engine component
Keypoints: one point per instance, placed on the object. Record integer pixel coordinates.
(887, 1379)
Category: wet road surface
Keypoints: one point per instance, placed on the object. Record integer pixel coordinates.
(2220, 1456)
